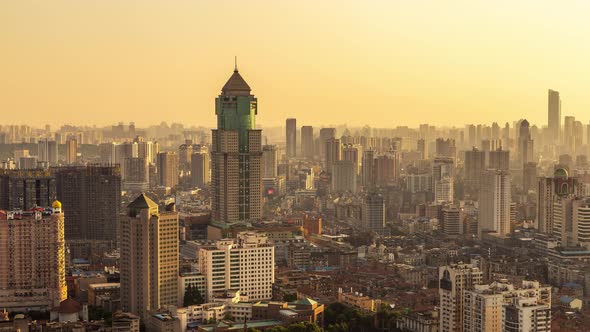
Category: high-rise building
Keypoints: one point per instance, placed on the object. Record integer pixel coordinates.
(91, 196)
(47, 151)
(200, 170)
(270, 161)
(422, 147)
(333, 150)
(168, 169)
(494, 202)
(235, 155)
(343, 176)
(554, 115)
(185, 152)
(453, 281)
(368, 167)
(475, 166)
(443, 176)
(568, 137)
(373, 213)
(325, 135)
(71, 150)
(548, 191)
(137, 174)
(387, 168)
(26, 189)
(571, 221)
(307, 150)
(291, 128)
(352, 153)
(529, 177)
(452, 221)
(246, 264)
(499, 159)
(525, 144)
(32, 259)
(500, 306)
(446, 148)
(149, 257)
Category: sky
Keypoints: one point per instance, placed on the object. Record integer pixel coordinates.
(380, 63)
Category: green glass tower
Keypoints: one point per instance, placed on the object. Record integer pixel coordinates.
(236, 155)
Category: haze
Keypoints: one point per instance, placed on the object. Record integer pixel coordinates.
(381, 63)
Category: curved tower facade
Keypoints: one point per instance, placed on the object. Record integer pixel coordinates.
(236, 155)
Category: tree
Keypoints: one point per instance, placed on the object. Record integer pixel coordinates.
(192, 296)
(289, 297)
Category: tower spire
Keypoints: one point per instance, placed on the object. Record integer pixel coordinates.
(236, 63)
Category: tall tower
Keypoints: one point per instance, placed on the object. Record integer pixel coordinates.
(149, 257)
(291, 127)
(307, 142)
(554, 115)
(235, 155)
(494, 202)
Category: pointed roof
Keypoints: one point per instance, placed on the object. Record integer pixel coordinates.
(306, 301)
(236, 85)
(142, 202)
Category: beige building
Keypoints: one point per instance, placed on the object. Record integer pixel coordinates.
(149, 257)
(453, 281)
(245, 264)
(500, 306)
(32, 259)
(168, 169)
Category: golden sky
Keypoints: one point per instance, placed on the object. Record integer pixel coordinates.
(382, 63)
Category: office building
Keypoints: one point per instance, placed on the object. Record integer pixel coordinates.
(149, 257)
(235, 155)
(373, 213)
(32, 259)
(168, 169)
(494, 202)
(453, 281)
(26, 189)
(245, 264)
(554, 116)
(307, 150)
(91, 196)
(200, 170)
(291, 128)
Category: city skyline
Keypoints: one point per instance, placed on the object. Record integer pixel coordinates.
(156, 59)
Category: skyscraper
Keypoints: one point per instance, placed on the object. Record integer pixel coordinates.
(168, 169)
(291, 128)
(499, 159)
(443, 175)
(235, 156)
(525, 144)
(307, 150)
(32, 259)
(475, 165)
(352, 153)
(325, 135)
(137, 175)
(333, 150)
(494, 202)
(368, 167)
(343, 176)
(149, 257)
(554, 115)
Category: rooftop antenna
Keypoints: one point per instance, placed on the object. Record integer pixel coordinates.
(236, 63)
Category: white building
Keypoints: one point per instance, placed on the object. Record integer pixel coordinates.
(246, 265)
